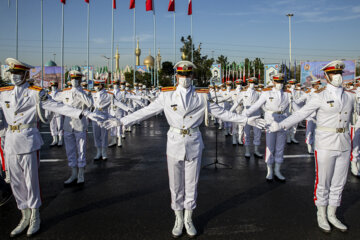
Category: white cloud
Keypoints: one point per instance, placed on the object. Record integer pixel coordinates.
(356, 9)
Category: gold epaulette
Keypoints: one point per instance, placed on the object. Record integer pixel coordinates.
(87, 90)
(36, 88)
(266, 89)
(168, 89)
(66, 89)
(110, 93)
(223, 90)
(243, 90)
(258, 90)
(8, 88)
(288, 91)
(202, 90)
(232, 90)
(320, 90)
(350, 91)
(308, 91)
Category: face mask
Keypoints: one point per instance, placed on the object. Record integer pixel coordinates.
(122, 87)
(251, 86)
(337, 80)
(292, 86)
(127, 88)
(17, 79)
(184, 82)
(116, 87)
(97, 88)
(74, 83)
(278, 86)
(228, 88)
(53, 88)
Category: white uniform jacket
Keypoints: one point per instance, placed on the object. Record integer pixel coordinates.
(19, 105)
(183, 110)
(332, 115)
(247, 98)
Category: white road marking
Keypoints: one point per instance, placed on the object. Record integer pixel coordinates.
(50, 132)
(52, 160)
(299, 156)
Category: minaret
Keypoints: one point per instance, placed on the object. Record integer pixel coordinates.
(138, 53)
(183, 56)
(158, 60)
(117, 58)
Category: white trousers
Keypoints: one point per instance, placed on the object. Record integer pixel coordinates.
(57, 126)
(257, 135)
(275, 144)
(116, 131)
(331, 173)
(183, 181)
(239, 130)
(24, 177)
(75, 145)
(310, 132)
(100, 135)
(355, 143)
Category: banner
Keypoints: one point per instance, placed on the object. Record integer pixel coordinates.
(216, 73)
(4, 74)
(311, 71)
(270, 69)
(85, 72)
(142, 69)
(50, 74)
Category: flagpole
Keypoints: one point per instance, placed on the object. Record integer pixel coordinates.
(112, 47)
(88, 45)
(17, 30)
(134, 79)
(155, 63)
(174, 43)
(192, 38)
(62, 47)
(42, 45)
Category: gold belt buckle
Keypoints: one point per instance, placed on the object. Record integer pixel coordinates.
(184, 131)
(340, 130)
(15, 128)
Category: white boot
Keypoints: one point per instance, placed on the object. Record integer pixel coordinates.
(331, 210)
(189, 226)
(60, 143)
(240, 140)
(24, 222)
(257, 152)
(54, 142)
(104, 153)
(34, 222)
(73, 176)
(354, 168)
(80, 176)
(293, 139)
(277, 172)
(310, 148)
(7, 176)
(321, 218)
(270, 172)
(179, 224)
(247, 151)
(119, 143)
(98, 154)
(112, 141)
(220, 126)
(234, 139)
(288, 138)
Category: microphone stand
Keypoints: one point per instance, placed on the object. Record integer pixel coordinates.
(216, 162)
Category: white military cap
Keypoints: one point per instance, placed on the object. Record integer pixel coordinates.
(336, 65)
(16, 65)
(144, 86)
(75, 74)
(316, 81)
(184, 67)
(278, 77)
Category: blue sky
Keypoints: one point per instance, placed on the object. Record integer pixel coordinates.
(322, 29)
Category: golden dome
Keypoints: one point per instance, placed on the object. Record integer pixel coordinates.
(149, 60)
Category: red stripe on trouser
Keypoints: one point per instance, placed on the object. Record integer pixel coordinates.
(2, 157)
(351, 137)
(316, 177)
(306, 132)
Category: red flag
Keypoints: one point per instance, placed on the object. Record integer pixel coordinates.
(87, 1)
(114, 4)
(171, 7)
(63, 1)
(149, 5)
(190, 8)
(132, 4)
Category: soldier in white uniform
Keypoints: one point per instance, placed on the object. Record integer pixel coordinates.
(237, 129)
(22, 106)
(185, 109)
(294, 95)
(74, 128)
(276, 103)
(334, 108)
(225, 102)
(248, 97)
(355, 134)
(57, 120)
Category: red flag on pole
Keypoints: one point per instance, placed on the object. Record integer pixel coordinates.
(149, 5)
(63, 1)
(171, 7)
(87, 1)
(190, 8)
(132, 4)
(114, 4)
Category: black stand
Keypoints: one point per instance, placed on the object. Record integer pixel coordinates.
(216, 162)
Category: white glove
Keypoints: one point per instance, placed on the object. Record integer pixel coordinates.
(131, 110)
(111, 123)
(256, 122)
(94, 116)
(274, 127)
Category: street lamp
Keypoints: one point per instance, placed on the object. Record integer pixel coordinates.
(290, 15)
